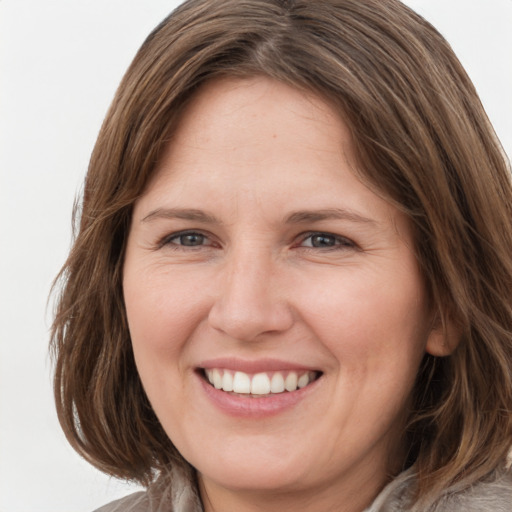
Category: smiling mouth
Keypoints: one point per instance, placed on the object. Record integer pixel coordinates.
(259, 385)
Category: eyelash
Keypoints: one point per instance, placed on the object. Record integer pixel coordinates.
(338, 242)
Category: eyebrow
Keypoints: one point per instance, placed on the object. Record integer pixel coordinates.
(181, 213)
(297, 217)
(328, 214)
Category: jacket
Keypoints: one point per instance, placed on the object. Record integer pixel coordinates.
(492, 495)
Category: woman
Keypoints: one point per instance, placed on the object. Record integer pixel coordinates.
(291, 285)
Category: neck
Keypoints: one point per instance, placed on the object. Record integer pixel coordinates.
(353, 495)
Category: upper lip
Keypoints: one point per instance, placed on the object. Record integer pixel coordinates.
(254, 366)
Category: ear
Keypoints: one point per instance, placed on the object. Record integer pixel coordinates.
(444, 337)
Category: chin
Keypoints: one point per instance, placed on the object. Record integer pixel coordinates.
(247, 477)
(253, 469)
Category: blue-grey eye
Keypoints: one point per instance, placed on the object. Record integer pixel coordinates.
(323, 240)
(189, 239)
(326, 241)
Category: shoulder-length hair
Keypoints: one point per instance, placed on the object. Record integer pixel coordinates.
(423, 142)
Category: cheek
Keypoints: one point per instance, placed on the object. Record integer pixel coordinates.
(377, 338)
(162, 316)
(163, 313)
(372, 323)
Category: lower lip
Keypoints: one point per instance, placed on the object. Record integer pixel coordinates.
(255, 407)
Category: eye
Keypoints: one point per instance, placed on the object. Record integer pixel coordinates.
(186, 239)
(189, 239)
(326, 241)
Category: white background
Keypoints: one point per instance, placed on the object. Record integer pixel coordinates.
(60, 63)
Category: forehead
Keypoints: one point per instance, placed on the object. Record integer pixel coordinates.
(255, 143)
(230, 96)
(229, 118)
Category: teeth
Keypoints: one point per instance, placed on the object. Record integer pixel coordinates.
(277, 383)
(227, 381)
(303, 381)
(241, 383)
(217, 379)
(259, 383)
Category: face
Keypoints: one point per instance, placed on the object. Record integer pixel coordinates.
(276, 309)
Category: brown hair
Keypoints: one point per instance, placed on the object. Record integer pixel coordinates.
(423, 141)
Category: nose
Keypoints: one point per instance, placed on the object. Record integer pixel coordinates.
(251, 299)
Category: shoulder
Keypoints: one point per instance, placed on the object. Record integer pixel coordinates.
(137, 502)
(173, 492)
(493, 493)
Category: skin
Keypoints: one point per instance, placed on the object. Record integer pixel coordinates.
(249, 154)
